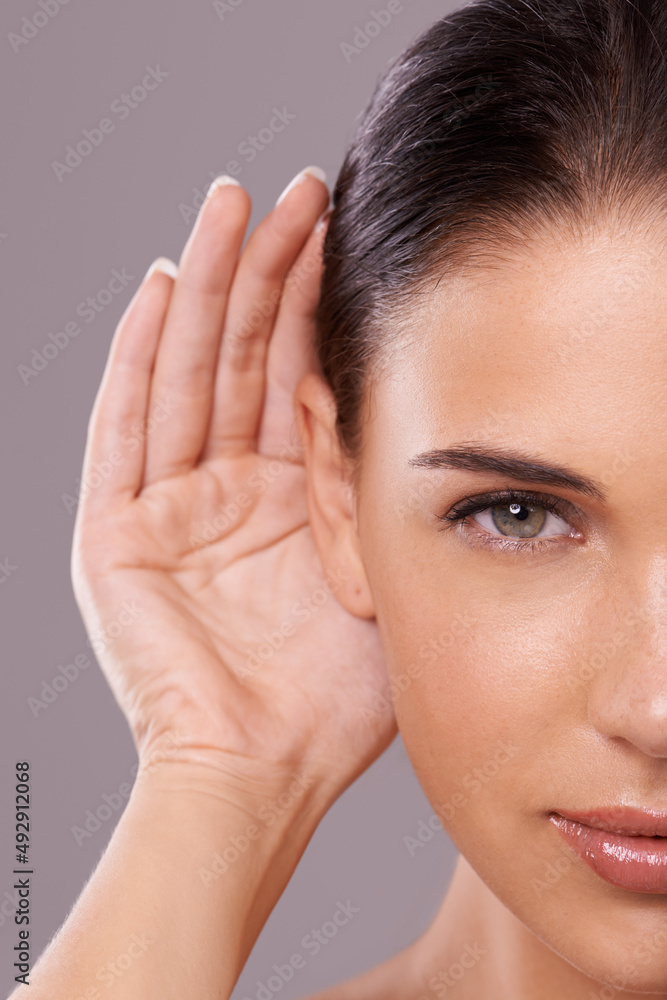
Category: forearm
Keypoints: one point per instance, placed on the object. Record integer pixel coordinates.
(189, 878)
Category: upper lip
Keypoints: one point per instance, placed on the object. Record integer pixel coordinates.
(628, 821)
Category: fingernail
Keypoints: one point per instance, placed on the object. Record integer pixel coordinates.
(220, 182)
(164, 265)
(323, 219)
(308, 172)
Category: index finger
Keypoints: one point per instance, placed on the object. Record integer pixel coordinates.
(254, 299)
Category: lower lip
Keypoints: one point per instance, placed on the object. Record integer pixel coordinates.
(635, 863)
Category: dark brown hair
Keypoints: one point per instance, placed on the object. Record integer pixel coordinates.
(504, 118)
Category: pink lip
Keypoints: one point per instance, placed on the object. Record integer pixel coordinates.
(625, 846)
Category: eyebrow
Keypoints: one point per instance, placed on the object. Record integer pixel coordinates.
(479, 458)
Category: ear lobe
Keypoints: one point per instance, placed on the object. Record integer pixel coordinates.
(331, 497)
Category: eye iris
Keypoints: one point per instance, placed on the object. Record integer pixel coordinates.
(519, 520)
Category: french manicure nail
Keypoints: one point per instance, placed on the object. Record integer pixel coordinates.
(308, 172)
(164, 265)
(220, 181)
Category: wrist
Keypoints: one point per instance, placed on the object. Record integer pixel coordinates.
(273, 795)
(174, 762)
(247, 823)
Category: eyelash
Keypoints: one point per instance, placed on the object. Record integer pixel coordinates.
(475, 505)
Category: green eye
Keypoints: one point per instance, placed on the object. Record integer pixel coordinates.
(518, 520)
(512, 520)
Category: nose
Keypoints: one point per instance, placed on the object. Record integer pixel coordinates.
(627, 698)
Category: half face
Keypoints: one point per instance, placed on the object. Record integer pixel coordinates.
(511, 524)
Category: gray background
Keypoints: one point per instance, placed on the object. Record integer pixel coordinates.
(59, 241)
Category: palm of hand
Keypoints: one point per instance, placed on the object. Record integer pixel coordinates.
(237, 645)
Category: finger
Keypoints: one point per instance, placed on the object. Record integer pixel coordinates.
(253, 306)
(115, 448)
(292, 349)
(186, 360)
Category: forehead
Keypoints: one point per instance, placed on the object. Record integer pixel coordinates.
(569, 336)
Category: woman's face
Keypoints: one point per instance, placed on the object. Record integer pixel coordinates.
(527, 648)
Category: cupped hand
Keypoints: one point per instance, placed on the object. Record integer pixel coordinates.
(193, 562)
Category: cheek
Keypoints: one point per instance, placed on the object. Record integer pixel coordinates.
(478, 690)
(482, 681)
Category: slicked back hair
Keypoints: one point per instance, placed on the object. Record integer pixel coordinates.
(503, 118)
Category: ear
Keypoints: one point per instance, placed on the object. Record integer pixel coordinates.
(331, 495)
